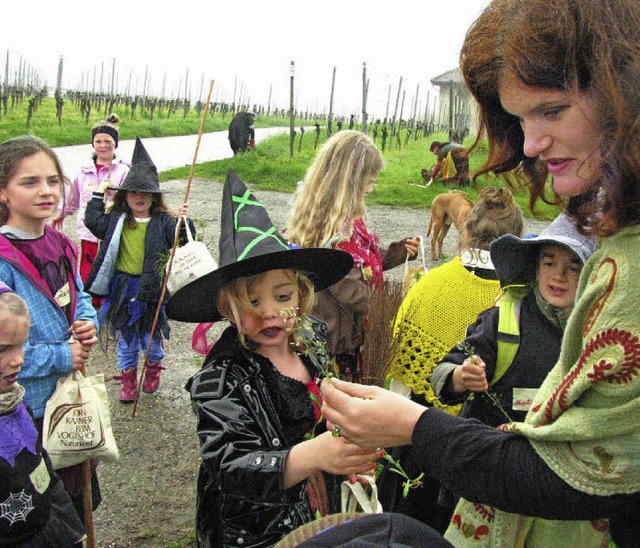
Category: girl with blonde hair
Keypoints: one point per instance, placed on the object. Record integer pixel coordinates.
(329, 211)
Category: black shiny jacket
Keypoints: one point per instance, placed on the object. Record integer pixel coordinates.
(242, 500)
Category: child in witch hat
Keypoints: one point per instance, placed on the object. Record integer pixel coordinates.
(263, 440)
(137, 232)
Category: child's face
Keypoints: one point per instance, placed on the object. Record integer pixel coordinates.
(558, 274)
(32, 193)
(104, 145)
(263, 323)
(140, 203)
(11, 351)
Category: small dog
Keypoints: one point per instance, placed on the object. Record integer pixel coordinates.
(449, 207)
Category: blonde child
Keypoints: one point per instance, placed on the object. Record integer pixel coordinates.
(257, 396)
(329, 211)
(36, 509)
(41, 265)
(137, 232)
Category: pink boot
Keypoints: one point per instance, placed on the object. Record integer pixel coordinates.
(152, 377)
(129, 378)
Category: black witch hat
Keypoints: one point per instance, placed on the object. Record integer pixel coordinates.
(143, 175)
(249, 245)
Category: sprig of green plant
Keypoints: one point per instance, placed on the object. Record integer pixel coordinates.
(317, 352)
(396, 468)
(470, 353)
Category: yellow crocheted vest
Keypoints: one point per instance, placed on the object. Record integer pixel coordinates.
(432, 319)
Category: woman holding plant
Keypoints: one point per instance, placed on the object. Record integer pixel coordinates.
(558, 95)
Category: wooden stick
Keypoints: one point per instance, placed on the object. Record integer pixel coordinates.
(87, 496)
(173, 252)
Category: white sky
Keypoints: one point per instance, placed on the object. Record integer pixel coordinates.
(246, 44)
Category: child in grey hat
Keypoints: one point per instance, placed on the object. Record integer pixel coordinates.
(544, 271)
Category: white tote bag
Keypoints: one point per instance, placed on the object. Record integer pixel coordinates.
(191, 261)
(77, 422)
(356, 499)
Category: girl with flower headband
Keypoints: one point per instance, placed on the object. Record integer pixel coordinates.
(329, 211)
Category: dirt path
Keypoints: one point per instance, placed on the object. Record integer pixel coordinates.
(149, 495)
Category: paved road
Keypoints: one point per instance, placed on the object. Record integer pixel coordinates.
(166, 152)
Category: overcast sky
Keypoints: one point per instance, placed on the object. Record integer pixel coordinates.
(246, 45)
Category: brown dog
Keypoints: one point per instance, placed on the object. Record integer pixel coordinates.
(449, 207)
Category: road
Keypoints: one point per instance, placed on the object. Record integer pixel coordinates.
(166, 152)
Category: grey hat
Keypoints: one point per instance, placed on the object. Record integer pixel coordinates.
(515, 259)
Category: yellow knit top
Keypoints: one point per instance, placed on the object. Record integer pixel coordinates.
(432, 319)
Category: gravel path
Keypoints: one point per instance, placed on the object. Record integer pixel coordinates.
(149, 495)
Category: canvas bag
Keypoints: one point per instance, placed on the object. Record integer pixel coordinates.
(413, 273)
(191, 261)
(356, 499)
(77, 422)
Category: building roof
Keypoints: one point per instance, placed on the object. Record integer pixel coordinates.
(453, 75)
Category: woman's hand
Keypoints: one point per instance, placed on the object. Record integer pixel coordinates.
(369, 416)
(471, 375)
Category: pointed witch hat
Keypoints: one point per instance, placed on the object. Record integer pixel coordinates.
(143, 175)
(249, 245)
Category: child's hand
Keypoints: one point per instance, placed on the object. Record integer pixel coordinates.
(411, 245)
(104, 186)
(79, 355)
(183, 210)
(58, 221)
(84, 331)
(338, 456)
(471, 375)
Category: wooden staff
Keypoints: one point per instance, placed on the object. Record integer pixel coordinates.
(87, 495)
(173, 250)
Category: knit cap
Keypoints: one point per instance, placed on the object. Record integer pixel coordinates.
(108, 126)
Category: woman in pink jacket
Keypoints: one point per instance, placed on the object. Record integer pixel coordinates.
(102, 165)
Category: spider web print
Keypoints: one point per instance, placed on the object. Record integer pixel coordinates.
(16, 507)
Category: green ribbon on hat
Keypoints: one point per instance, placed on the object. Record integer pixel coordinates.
(270, 233)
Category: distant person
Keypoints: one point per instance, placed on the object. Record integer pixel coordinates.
(242, 134)
(35, 509)
(100, 166)
(137, 231)
(452, 163)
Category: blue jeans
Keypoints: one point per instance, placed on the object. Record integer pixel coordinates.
(129, 354)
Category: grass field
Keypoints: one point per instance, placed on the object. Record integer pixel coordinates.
(269, 166)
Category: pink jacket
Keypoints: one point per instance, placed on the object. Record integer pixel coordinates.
(78, 194)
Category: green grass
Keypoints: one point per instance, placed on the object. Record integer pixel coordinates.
(75, 130)
(269, 166)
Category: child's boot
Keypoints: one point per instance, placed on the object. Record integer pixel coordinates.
(152, 377)
(129, 378)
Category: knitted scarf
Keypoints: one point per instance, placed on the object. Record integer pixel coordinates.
(585, 418)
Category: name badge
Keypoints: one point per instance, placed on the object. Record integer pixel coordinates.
(523, 398)
(40, 478)
(63, 296)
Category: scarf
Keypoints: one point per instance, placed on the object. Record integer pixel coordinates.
(585, 419)
(364, 247)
